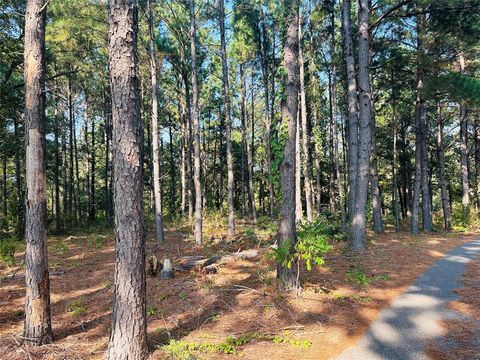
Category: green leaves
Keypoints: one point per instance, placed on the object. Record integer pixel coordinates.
(311, 246)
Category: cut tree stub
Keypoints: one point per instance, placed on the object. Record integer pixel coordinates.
(167, 271)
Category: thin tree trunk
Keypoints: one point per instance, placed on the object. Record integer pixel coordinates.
(92, 210)
(37, 326)
(268, 120)
(288, 276)
(172, 171)
(298, 170)
(376, 198)
(358, 242)
(4, 185)
(396, 209)
(441, 161)
(18, 182)
(306, 153)
(336, 157)
(464, 145)
(477, 156)
(157, 190)
(251, 193)
(77, 207)
(71, 184)
(228, 122)
(128, 338)
(196, 129)
(183, 156)
(57, 171)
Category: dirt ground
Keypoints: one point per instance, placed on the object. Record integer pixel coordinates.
(462, 335)
(238, 306)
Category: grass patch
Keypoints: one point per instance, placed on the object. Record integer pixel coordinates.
(182, 350)
(77, 307)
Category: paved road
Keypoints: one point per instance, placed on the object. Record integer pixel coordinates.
(401, 330)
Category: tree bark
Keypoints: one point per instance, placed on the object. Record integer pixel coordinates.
(441, 161)
(396, 207)
(268, 120)
(358, 242)
(157, 191)
(196, 128)
(376, 199)
(463, 144)
(298, 170)
(128, 338)
(58, 215)
(352, 106)
(37, 326)
(251, 193)
(288, 276)
(477, 156)
(306, 153)
(336, 157)
(228, 122)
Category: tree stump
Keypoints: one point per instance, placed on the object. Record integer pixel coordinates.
(167, 270)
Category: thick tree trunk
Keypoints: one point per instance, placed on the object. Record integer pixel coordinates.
(288, 276)
(305, 138)
(157, 190)
(37, 326)
(364, 145)
(128, 338)
(352, 106)
(228, 122)
(196, 128)
(441, 162)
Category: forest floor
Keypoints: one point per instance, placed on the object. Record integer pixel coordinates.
(237, 310)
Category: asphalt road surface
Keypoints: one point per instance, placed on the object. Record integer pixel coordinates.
(401, 330)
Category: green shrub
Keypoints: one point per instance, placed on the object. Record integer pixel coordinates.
(464, 218)
(357, 276)
(8, 247)
(77, 307)
(311, 246)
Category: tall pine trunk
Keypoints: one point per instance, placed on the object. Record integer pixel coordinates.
(196, 128)
(358, 242)
(268, 119)
(336, 157)
(305, 138)
(288, 276)
(463, 144)
(441, 162)
(128, 338)
(37, 326)
(157, 190)
(228, 122)
(352, 106)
